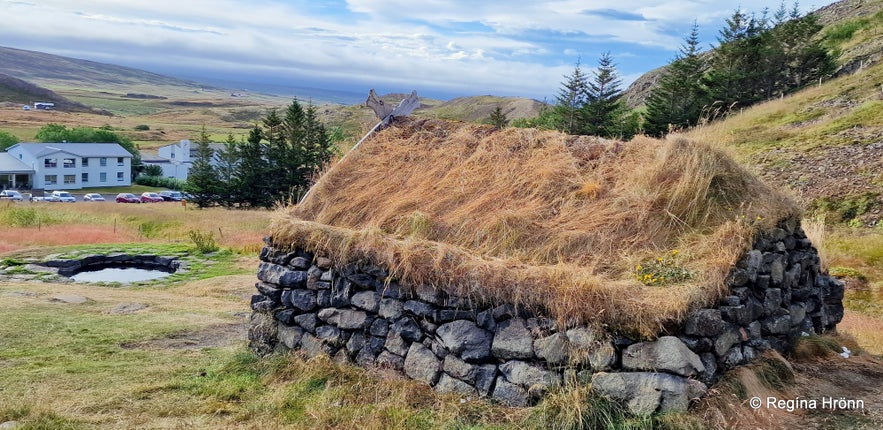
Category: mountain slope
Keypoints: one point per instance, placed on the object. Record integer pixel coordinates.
(854, 29)
(825, 143)
(14, 90)
(53, 70)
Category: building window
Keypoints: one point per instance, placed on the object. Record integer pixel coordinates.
(121, 161)
(102, 177)
(85, 177)
(68, 163)
(121, 176)
(70, 179)
(50, 163)
(102, 161)
(50, 179)
(85, 162)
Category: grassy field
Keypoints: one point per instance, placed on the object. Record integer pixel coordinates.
(171, 354)
(179, 359)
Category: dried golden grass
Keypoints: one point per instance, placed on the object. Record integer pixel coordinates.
(552, 222)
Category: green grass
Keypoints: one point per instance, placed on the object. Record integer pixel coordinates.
(118, 105)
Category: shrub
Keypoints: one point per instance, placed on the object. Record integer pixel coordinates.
(159, 181)
(205, 242)
(152, 170)
(142, 127)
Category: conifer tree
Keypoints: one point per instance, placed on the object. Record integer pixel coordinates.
(603, 110)
(202, 180)
(253, 171)
(572, 96)
(498, 118)
(677, 101)
(227, 169)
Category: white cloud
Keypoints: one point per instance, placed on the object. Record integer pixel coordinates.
(521, 47)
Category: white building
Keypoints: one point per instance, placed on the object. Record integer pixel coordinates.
(70, 166)
(177, 159)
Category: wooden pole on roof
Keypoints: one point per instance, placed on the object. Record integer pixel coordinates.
(386, 114)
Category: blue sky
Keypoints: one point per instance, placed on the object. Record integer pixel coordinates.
(441, 48)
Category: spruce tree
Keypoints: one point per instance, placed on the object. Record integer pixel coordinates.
(677, 101)
(498, 118)
(603, 110)
(202, 180)
(253, 171)
(227, 169)
(572, 96)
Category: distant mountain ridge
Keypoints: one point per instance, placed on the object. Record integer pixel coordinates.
(42, 68)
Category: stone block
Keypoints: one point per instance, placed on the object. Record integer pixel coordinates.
(512, 340)
(529, 376)
(307, 321)
(380, 327)
(407, 328)
(346, 319)
(366, 300)
(667, 353)
(464, 338)
(389, 360)
(510, 394)
(705, 323)
(421, 309)
(449, 385)
(646, 392)
(554, 348)
(391, 309)
(290, 336)
(421, 364)
(302, 300)
(723, 342)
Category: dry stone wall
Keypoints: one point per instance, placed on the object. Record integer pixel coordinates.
(357, 313)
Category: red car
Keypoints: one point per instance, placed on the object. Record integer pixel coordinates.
(127, 198)
(150, 197)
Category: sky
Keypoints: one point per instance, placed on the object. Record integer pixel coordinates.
(441, 48)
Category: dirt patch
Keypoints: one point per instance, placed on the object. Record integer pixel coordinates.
(808, 402)
(213, 336)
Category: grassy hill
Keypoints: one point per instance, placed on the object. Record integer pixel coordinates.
(824, 143)
(57, 71)
(853, 30)
(17, 91)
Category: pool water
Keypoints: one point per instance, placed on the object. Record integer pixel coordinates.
(122, 275)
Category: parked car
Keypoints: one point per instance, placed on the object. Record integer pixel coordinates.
(10, 195)
(93, 197)
(63, 196)
(171, 196)
(44, 198)
(127, 198)
(150, 197)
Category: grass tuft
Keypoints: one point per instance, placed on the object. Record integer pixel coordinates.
(815, 347)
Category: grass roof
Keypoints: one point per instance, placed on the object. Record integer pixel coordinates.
(553, 222)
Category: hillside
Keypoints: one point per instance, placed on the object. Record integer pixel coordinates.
(824, 143)
(57, 71)
(853, 28)
(19, 92)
